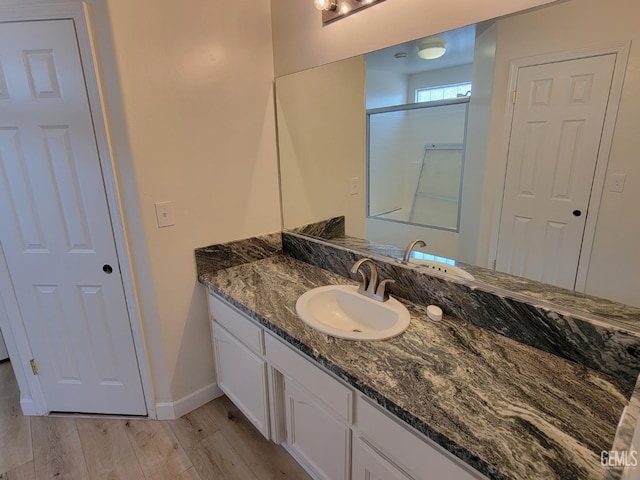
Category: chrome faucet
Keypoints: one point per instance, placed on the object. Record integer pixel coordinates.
(410, 247)
(371, 288)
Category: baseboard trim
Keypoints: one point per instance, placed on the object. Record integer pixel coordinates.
(188, 403)
(28, 407)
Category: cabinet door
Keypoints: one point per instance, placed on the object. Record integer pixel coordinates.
(242, 376)
(369, 465)
(315, 436)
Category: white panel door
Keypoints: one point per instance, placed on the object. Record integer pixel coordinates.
(3, 349)
(555, 136)
(55, 227)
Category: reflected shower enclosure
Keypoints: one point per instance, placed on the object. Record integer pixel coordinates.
(415, 162)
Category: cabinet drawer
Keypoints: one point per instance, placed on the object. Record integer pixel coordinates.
(330, 392)
(236, 323)
(419, 457)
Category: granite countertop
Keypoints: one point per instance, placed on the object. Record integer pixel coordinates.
(507, 409)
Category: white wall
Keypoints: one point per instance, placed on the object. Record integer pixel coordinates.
(384, 89)
(315, 152)
(477, 138)
(198, 107)
(617, 236)
(300, 41)
(189, 98)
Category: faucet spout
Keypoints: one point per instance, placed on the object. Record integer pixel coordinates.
(409, 249)
(371, 287)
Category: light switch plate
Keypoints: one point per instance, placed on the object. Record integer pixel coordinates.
(164, 214)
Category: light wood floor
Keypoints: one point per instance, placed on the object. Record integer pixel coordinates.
(213, 442)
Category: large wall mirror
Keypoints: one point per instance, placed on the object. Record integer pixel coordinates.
(549, 176)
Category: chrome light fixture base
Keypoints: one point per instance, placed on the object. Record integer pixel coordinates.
(343, 8)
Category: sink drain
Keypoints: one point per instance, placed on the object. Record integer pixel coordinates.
(355, 330)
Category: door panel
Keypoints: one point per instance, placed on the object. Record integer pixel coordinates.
(56, 230)
(3, 349)
(555, 137)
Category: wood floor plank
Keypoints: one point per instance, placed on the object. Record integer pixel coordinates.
(190, 474)
(23, 472)
(157, 449)
(213, 442)
(7, 377)
(194, 427)
(15, 438)
(107, 450)
(15, 428)
(221, 453)
(265, 459)
(203, 463)
(57, 450)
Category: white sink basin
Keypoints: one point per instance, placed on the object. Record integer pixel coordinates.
(442, 268)
(340, 311)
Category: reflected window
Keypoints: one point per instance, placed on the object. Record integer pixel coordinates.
(443, 92)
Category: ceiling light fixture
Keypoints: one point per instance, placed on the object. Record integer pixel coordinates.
(431, 48)
(326, 5)
(336, 9)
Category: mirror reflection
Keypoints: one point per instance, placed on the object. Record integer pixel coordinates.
(415, 159)
(550, 179)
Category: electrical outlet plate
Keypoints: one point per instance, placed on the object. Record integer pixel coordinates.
(616, 182)
(354, 186)
(164, 214)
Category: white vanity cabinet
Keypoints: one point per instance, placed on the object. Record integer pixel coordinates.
(241, 369)
(317, 412)
(370, 465)
(385, 448)
(332, 432)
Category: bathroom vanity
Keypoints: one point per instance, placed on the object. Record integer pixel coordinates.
(442, 400)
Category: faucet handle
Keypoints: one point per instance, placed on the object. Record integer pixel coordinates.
(381, 292)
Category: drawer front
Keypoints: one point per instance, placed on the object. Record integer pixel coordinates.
(419, 457)
(236, 323)
(334, 395)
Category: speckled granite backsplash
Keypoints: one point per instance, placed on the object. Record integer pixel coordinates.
(225, 255)
(602, 348)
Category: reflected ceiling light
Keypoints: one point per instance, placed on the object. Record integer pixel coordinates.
(336, 9)
(329, 5)
(431, 48)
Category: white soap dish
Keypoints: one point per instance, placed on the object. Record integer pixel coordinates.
(434, 313)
